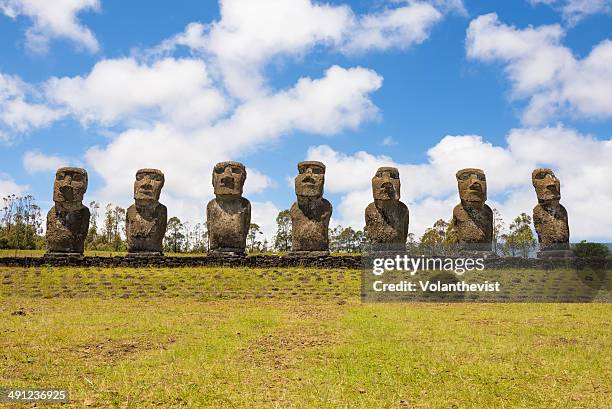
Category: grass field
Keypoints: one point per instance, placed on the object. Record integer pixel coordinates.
(221, 337)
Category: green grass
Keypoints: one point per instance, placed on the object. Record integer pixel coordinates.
(221, 337)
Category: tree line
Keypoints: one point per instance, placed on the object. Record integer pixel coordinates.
(21, 227)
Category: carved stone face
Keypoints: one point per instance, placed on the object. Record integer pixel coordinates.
(148, 185)
(386, 184)
(309, 182)
(472, 186)
(70, 185)
(228, 178)
(547, 186)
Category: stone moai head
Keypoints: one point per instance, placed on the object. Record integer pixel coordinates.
(148, 185)
(386, 184)
(472, 186)
(228, 178)
(309, 182)
(547, 186)
(70, 185)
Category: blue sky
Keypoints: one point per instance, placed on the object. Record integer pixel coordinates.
(427, 86)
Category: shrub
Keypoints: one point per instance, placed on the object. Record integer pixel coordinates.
(585, 249)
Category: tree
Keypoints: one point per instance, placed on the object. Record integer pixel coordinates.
(200, 238)
(349, 240)
(20, 223)
(114, 229)
(439, 238)
(93, 237)
(175, 237)
(252, 243)
(519, 239)
(334, 238)
(411, 244)
(265, 246)
(432, 239)
(282, 238)
(498, 228)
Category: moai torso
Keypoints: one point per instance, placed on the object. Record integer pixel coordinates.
(146, 228)
(387, 224)
(68, 220)
(67, 230)
(549, 216)
(311, 213)
(228, 214)
(310, 224)
(473, 218)
(551, 226)
(228, 224)
(473, 225)
(146, 219)
(386, 218)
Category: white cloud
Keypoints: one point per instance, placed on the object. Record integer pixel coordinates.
(582, 163)
(545, 72)
(251, 34)
(264, 214)
(37, 162)
(328, 105)
(176, 90)
(389, 141)
(393, 28)
(53, 19)
(182, 115)
(575, 10)
(17, 115)
(8, 187)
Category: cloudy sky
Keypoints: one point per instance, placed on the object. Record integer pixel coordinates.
(427, 86)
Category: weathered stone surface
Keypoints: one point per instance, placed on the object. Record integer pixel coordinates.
(386, 218)
(261, 261)
(473, 218)
(146, 219)
(549, 216)
(68, 220)
(228, 214)
(310, 214)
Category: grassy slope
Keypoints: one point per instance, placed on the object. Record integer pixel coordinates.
(289, 338)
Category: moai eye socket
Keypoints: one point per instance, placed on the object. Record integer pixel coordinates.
(139, 176)
(59, 176)
(156, 177)
(77, 177)
(394, 175)
(481, 177)
(316, 170)
(236, 170)
(219, 170)
(464, 176)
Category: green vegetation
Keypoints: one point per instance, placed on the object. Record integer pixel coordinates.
(221, 337)
(20, 223)
(586, 249)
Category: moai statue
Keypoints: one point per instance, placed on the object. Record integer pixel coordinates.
(549, 216)
(146, 219)
(386, 219)
(472, 218)
(310, 214)
(68, 220)
(228, 214)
